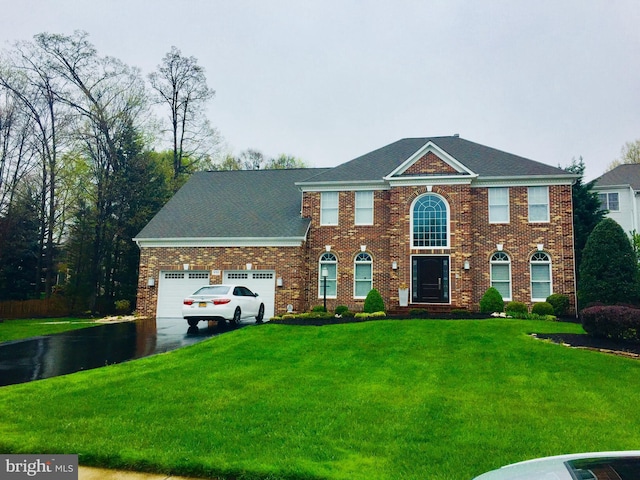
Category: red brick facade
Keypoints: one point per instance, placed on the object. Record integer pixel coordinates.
(472, 239)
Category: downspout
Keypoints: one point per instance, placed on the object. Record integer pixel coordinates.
(634, 209)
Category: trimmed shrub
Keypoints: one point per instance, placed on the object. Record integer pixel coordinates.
(612, 321)
(559, 302)
(491, 301)
(341, 309)
(542, 308)
(373, 302)
(516, 307)
(605, 277)
(418, 313)
(318, 308)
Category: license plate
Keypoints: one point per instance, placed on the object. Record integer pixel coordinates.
(202, 304)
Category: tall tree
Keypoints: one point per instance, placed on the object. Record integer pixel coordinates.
(181, 85)
(605, 277)
(586, 209)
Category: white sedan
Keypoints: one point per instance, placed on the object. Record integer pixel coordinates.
(222, 302)
(623, 465)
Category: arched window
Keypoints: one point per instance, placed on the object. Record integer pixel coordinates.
(540, 276)
(501, 274)
(429, 220)
(362, 275)
(328, 263)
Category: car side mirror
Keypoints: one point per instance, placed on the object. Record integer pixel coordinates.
(256, 294)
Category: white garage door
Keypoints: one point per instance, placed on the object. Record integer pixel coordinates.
(262, 282)
(174, 286)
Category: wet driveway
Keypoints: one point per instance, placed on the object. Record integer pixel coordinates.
(52, 355)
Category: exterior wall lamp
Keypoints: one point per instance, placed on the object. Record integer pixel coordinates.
(151, 282)
(394, 265)
(467, 266)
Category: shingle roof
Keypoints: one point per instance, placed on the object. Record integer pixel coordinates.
(482, 160)
(628, 174)
(234, 204)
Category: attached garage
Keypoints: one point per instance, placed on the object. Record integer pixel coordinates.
(262, 282)
(174, 286)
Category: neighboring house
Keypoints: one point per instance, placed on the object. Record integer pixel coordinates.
(429, 222)
(619, 191)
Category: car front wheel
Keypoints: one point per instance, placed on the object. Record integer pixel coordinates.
(260, 315)
(236, 317)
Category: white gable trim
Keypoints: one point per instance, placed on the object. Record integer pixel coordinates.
(430, 147)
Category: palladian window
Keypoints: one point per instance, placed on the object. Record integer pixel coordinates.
(430, 222)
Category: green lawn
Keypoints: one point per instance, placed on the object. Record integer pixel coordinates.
(34, 327)
(378, 400)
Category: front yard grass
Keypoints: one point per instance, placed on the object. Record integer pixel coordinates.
(34, 327)
(415, 399)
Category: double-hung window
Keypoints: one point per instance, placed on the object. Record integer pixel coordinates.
(609, 201)
(538, 200)
(328, 272)
(329, 208)
(540, 276)
(499, 205)
(501, 274)
(364, 208)
(363, 278)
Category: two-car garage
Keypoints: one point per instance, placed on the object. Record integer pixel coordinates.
(175, 285)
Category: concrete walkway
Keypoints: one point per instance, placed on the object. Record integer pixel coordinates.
(90, 473)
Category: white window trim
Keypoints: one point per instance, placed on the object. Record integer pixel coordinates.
(323, 209)
(508, 263)
(529, 205)
(370, 207)
(448, 226)
(606, 204)
(549, 263)
(355, 280)
(508, 205)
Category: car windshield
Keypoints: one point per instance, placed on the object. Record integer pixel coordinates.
(624, 468)
(213, 290)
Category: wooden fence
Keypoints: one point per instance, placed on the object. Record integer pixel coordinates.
(48, 307)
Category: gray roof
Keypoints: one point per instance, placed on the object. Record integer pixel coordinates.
(234, 204)
(481, 160)
(627, 174)
(259, 204)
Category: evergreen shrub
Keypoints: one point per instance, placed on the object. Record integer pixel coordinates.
(542, 308)
(516, 307)
(559, 302)
(373, 302)
(491, 301)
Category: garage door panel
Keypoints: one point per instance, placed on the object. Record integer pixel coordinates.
(261, 282)
(173, 287)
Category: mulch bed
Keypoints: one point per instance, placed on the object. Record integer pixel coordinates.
(605, 345)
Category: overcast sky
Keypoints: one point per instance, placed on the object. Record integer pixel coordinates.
(328, 81)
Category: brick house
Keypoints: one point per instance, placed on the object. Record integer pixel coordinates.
(429, 222)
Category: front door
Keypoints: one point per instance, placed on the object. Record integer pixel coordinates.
(430, 279)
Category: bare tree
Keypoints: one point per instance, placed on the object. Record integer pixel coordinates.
(181, 85)
(630, 153)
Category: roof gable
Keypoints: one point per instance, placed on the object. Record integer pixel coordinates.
(466, 158)
(622, 175)
(430, 160)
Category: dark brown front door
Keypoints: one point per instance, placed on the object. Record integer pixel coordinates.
(430, 279)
